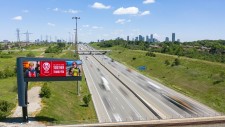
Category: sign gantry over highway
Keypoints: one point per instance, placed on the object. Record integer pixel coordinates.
(43, 69)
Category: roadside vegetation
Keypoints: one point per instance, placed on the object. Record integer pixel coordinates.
(60, 101)
(202, 80)
(210, 50)
(8, 84)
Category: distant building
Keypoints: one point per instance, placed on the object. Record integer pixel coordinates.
(167, 39)
(173, 37)
(147, 38)
(152, 39)
(141, 38)
(178, 40)
(128, 39)
(136, 38)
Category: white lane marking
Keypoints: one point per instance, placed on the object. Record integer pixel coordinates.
(122, 107)
(98, 93)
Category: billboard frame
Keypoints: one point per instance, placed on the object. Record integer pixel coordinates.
(22, 82)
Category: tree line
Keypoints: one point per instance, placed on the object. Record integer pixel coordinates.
(211, 50)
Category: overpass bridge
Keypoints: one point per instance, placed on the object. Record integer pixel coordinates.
(93, 52)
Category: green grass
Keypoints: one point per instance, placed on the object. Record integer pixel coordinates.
(8, 89)
(9, 62)
(202, 80)
(65, 106)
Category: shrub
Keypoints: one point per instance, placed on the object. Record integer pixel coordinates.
(167, 62)
(176, 62)
(5, 108)
(8, 72)
(45, 91)
(134, 58)
(151, 54)
(5, 56)
(87, 99)
(2, 75)
(30, 54)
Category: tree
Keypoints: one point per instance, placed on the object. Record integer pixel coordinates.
(45, 91)
(87, 99)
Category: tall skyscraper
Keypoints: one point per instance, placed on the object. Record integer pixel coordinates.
(140, 38)
(152, 40)
(167, 39)
(173, 37)
(128, 38)
(147, 38)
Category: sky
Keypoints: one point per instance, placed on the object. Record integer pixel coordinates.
(191, 20)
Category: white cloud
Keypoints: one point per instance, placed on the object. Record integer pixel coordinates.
(85, 25)
(51, 24)
(25, 11)
(19, 18)
(96, 27)
(122, 21)
(129, 10)
(100, 6)
(56, 9)
(66, 11)
(148, 1)
(71, 11)
(145, 13)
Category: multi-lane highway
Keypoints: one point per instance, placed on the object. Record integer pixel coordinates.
(122, 94)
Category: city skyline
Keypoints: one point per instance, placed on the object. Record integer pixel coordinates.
(191, 20)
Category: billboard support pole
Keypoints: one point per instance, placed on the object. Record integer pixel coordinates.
(24, 108)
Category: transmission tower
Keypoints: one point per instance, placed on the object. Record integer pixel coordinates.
(18, 34)
(27, 36)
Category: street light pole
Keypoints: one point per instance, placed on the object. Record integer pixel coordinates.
(76, 47)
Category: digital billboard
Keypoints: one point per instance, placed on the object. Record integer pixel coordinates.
(48, 69)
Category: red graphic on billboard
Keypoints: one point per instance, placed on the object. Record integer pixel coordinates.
(52, 68)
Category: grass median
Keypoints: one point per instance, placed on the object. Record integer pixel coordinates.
(202, 80)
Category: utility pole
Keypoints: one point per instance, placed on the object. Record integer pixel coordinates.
(76, 47)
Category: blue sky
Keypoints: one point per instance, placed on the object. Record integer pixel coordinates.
(107, 19)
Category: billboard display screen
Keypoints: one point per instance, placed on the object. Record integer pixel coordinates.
(33, 69)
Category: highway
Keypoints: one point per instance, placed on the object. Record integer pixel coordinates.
(113, 102)
(131, 96)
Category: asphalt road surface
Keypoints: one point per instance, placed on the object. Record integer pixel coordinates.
(122, 94)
